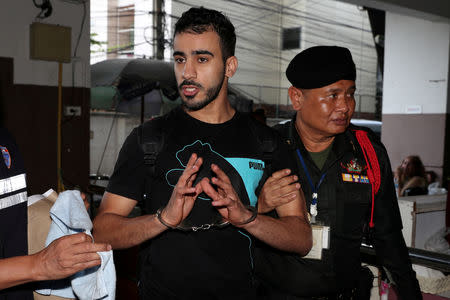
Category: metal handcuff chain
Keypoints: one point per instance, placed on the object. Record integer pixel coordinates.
(206, 226)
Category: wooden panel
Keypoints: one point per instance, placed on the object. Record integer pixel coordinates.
(31, 118)
(75, 139)
(6, 78)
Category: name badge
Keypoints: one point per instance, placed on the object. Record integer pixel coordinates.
(321, 240)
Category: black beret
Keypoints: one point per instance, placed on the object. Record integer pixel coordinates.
(320, 66)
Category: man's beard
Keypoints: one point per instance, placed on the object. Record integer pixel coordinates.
(211, 95)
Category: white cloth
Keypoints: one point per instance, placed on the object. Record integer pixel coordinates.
(69, 216)
(435, 189)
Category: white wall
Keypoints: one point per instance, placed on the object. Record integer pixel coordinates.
(101, 123)
(261, 60)
(335, 23)
(15, 19)
(415, 89)
(257, 47)
(143, 30)
(99, 27)
(416, 65)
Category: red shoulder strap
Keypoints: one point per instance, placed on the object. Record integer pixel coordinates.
(373, 167)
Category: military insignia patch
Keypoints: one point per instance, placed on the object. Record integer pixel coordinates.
(6, 156)
(355, 178)
(353, 166)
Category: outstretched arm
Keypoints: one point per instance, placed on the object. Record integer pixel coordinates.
(290, 232)
(63, 257)
(112, 225)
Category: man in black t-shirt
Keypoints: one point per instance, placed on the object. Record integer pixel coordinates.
(200, 197)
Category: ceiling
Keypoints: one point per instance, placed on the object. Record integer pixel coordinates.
(435, 10)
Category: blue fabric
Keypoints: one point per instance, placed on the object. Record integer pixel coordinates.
(251, 171)
(69, 216)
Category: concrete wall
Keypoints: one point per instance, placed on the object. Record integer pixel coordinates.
(335, 23)
(15, 19)
(29, 95)
(109, 132)
(415, 91)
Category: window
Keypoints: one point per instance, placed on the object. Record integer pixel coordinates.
(291, 38)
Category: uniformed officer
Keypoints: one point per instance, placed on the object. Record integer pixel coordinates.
(347, 180)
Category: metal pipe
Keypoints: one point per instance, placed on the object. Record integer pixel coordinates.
(435, 260)
(59, 184)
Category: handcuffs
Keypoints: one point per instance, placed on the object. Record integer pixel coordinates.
(184, 227)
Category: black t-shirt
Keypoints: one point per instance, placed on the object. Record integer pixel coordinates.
(215, 263)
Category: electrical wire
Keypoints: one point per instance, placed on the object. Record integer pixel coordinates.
(344, 39)
(297, 13)
(107, 141)
(234, 11)
(276, 28)
(83, 20)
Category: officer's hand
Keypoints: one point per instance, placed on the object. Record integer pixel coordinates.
(66, 256)
(279, 189)
(225, 198)
(184, 194)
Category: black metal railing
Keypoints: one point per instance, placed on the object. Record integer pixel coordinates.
(434, 260)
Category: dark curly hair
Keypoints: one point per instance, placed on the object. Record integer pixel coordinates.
(414, 167)
(199, 20)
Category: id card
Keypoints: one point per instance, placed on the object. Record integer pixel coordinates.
(321, 240)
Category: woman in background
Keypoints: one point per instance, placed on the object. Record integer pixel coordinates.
(410, 176)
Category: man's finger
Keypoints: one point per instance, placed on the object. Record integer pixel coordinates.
(220, 174)
(208, 189)
(221, 184)
(89, 248)
(288, 197)
(198, 189)
(84, 257)
(280, 174)
(287, 189)
(277, 184)
(85, 265)
(288, 180)
(74, 238)
(191, 179)
(186, 191)
(192, 167)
